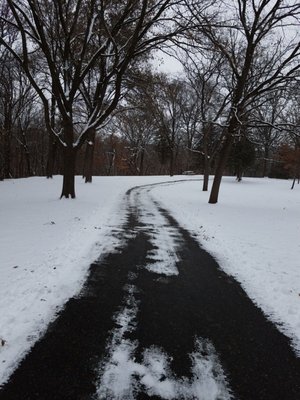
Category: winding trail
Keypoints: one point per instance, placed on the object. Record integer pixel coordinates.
(158, 319)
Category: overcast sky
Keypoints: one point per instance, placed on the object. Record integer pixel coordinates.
(165, 63)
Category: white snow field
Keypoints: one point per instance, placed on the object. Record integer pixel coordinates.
(47, 245)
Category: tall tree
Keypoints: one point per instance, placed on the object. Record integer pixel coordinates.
(78, 41)
(266, 121)
(16, 109)
(207, 79)
(165, 98)
(262, 55)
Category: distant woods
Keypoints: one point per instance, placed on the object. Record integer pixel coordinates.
(79, 93)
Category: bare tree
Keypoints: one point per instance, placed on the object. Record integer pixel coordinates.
(261, 53)
(266, 122)
(137, 128)
(165, 98)
(77, 41)
(16, 108)
(207, 79)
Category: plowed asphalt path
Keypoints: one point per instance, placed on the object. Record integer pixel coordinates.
(202, 301)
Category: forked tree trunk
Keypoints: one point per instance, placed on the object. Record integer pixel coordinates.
(223, 157)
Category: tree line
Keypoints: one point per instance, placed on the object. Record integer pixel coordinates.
(79, 94)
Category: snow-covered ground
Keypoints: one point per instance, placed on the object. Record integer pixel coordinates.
(46, 247)
(47, 244)
(254, 233)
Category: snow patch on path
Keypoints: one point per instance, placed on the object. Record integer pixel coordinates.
(122, 377)
(163, 238)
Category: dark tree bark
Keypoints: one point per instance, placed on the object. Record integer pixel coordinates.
(293, 184)
(239, 173)
(52, 151)
(223, 157)
(141, 168)
(171, 161)
(24, 148)
(27, 158)
(111, 162)
(265, 164)
(68, 190)
(206, 173)
(89, 156)
(52, 143)
(206, 160)
(69, 156)
(7, 152)
(7, 145)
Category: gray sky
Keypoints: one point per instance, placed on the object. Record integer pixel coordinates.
(165, 63)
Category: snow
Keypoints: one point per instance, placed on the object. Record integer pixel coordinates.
(162, 257)
(254, 234)
(47, 245)
(121, 377)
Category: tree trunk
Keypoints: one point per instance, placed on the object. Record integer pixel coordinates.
(7, 146)
(7, 173)
(52, 149)
(294, 181)
(52, 144)
(28, 164)
(111, 160)
(141, 169)
(27, 154)
(68, 189)
(89, 157)
(69, 155)
(265, 164)
(171, 161)
(206, 172)
(223, 157)
(239, 173)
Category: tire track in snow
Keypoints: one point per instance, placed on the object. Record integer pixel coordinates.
(158, 319)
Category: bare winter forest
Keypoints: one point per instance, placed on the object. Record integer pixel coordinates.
(81, 93)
